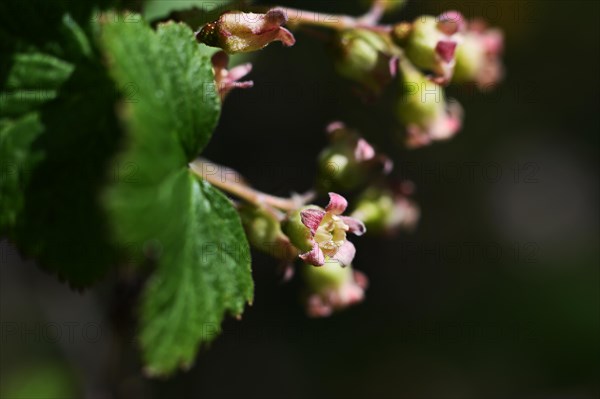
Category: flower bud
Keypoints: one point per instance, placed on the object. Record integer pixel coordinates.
(478, 56)
(422, 108)
(240, 32)
(365, 57)
(263, 230)
(385, 211)
(431, 42)
(331, 288)
(349, 161)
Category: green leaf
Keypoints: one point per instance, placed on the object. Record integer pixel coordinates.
(33, 80)
(193, 232)
(204, 271)
(18, 160)
(57, 217)
(174, 84)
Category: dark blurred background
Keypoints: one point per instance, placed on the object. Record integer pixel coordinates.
(495, 295)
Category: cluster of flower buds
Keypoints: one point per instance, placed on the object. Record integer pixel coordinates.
(242, 32)
(318, 238)
(422, 56)
(349, 161)
(419, 58)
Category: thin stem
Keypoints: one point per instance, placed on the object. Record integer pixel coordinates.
(297, 17)
(373, 16)
(230, 181)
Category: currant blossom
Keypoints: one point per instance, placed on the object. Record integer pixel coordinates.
(320, 234)
(241, 32)
(227, 80)
(332, 288)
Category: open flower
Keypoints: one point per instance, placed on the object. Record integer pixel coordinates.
(241, 32)
(328, 232)
(227, 80)
(332, 288)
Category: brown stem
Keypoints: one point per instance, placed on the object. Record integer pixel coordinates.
(373, 16)
(230, 181)
(297, 17)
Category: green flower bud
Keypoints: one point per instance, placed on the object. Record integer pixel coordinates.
(365, 57)
(264, 233)
(470, 58)
(349, 161)
(384, 212)
(331, 288)
(422, 107)
(478, 56)
(431, 43)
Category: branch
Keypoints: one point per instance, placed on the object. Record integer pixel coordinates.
(230, 181)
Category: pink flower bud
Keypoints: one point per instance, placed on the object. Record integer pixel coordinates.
(240, 32)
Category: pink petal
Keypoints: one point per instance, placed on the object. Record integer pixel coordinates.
(316, 307)
(334, 126)
(314, 257)
(393, 66)
(275, 18)
(363, 151)
(312, 218)
(345, 254)
(238, 72)
(445, 49)
(286, 37)
(356, 226)
(337, 204)
(451, 22)
(361, 279)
